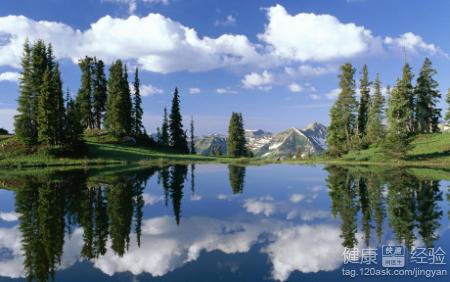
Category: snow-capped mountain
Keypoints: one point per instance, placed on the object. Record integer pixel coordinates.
(292, 142)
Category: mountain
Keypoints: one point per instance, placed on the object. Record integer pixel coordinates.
(289, 143)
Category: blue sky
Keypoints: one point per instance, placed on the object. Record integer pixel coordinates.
(274, 61)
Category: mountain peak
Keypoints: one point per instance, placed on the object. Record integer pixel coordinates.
(314, 125)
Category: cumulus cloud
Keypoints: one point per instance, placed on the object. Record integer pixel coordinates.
(305, 248)
(148, 90)
(296, 198)
(224, 90)
(155, 42)
(194, 90)
(12, 265)
(261, 81)
(311, 37)
(414, 44)
(309, 70)
(9, 76)
(150, 199)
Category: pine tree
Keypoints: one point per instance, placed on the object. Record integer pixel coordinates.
(400, 113)
(447, 116)
(99, 94)
(192, 142)
(73, 127)
(177, 134)
(84, 97)
(45, 118)
(165, 137)
(58, 109)
(375, 128)
(427, 95)
(126, 103)
(363, 111)
(118, 106)
(236, 143)
(23, 121)
(343, 119)
(137, 108)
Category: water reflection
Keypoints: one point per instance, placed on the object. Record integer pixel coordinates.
(110, 219)
(411, 203)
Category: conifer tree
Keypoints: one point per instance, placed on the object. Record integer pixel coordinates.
(236, 143)
(375, 128)
(363, 111)
(427, 95)
(45, 117)
(99, 94)
(400, 113)
(118, 106)
(137, 106)
(447, 116)
(84, 97)
(343, 118)
(177, 134)
(23, 121)
(165, 137)
(73, 127)
(192, 142)
(126, 103)
(58, 108)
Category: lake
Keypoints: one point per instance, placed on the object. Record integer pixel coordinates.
(209, 222)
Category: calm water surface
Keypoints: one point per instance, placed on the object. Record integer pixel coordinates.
(219, 223)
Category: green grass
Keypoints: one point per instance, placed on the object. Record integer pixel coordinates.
(428, 150)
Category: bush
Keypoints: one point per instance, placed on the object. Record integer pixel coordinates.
(3, 131)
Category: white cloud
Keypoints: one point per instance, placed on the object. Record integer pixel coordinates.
(413, 43)
(309, 70)
(263, 205)
(155, 42)
(305, 248)
(12, 265)
(196, 197)
(194, 90)
(148, 90)
(261, 81)
(9, 216)
(230, 20)
(314, 96)
(296, 198)
(132, 4)
(150, 199)
(10, 76)
(333, 94)
(311, 37)
(295, 87)
(7, 118)
(224, 90)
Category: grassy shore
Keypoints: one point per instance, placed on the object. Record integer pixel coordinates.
(430, 150)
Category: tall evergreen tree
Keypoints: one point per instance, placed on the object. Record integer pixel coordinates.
(343, 118)
(99, 94)
(45, 117)
(427, 95)
(363, 111)
(84, 97)
(375, 127)
(126, 103)
(236, 143)
(118, 106)
(73, 127)
(137, 106)
(400, 113)
(165, 137)
(23, 121)
(192, 142)
(58, 103)
(178, 139)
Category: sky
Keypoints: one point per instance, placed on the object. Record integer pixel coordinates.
(277, 62)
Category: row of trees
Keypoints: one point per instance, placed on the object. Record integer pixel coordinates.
(411, 110)
(43, 115)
